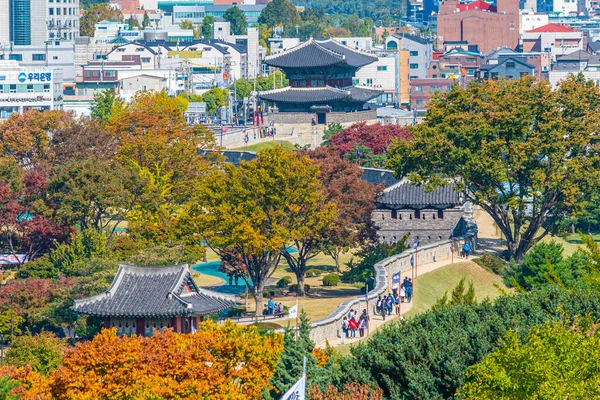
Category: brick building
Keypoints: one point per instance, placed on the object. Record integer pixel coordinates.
(422, 90)
(554, 39)
(479, 23)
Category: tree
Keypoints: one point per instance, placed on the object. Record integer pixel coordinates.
(329, 131)
(215, 98)
(237, 19)
(43, 352)
(355, 200)
(555, 362)
(221, 362)
(369, 255)
(280, 12)
(207, 23)
(544, 264)
(245, 210)
(242, 88)
(78, 140)
(26, 230)
(8, 324)
(133, 22)
(458, 297)
(186, 24)
(523, 152)
(145, 21)
(377, 138)
(289, 366)
(95, 14)
(350, 391)
(104, 103)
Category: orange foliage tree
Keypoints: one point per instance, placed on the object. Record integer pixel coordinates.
(217, 362)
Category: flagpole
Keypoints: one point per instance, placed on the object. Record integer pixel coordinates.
(296, 319)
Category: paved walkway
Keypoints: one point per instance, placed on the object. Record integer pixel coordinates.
(487, 240)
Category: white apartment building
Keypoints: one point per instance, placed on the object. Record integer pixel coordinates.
(62, 19)
(531, 20)
(22, 89)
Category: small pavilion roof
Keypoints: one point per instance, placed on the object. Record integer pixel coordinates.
(317, 95)
(153, 292)
(324, 53)
(404, 195)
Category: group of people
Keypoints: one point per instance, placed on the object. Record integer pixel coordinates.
(351, 323)
(272, 308)
(391, 302)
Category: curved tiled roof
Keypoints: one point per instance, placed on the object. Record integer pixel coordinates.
(404, 195)
(319, 95)
(153, 292)
(326, 53)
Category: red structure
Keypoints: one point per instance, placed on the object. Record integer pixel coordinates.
(479, 23)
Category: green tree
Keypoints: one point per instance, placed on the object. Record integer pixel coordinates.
(186, 24)
(237, 19)
(207, 23)
(42, 352)
(242, 88)
(214, 99)
(523, 152)
(289, 366)
(5, 322)
(368, 256)
(458, 296)
(280, 12)
(555, 362)
(331, 130)
(145, 21)
(95, 14)
(103, 105)
(245, 210)
(7, 385)
(133, 22)
(544, 264)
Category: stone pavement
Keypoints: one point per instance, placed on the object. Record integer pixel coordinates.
(377, 320)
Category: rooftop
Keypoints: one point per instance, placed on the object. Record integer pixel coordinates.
(551, 28)
(320, 95)
(153, 292)
(476, 5)
(404, 195)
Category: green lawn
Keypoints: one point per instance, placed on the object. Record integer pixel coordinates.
(267, 145)
(433, 285)
(571, 243)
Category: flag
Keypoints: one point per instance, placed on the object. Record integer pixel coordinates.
(395, 280)
(296, 392)
(293, 311)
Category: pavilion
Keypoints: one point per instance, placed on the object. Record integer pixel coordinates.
(141, 299)
(320, 75)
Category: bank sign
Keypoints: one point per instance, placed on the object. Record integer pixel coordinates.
(35, 77)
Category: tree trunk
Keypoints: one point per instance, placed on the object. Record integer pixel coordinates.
(257, 290)
(300, 279)
(572, 228)
(336, 257)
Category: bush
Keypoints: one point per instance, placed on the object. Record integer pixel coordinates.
(283, 282)
(236, 312)
(331, 280)
(491, 263)
(294, 288)
(268, 293)
(313, 272)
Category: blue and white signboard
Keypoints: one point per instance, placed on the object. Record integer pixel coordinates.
(35, 77)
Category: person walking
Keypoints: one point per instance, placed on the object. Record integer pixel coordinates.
(409, 290)
(397, 303)
(402, 293)
(352, 325)
(378, 305)
(270, 306)
(466, 250)
(344, 328)
(390, 304)
(382, 307)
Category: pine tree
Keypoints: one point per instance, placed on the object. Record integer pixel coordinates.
(289, 368)
(146, 21)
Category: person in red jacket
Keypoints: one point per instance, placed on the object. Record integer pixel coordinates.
(352, 325)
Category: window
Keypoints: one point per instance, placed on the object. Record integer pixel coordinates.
(1, 88)
(110, 73)
(440, 214)
(414, 53)
(510, 64)
(145, 60)
(29, 88)
(434, 67)
(369, 81)
(382, 68)
(434, 88)
(471, 59)
(417, 214)
(51, 11)
(139, 49)
(46, 88)
(57, 11)
(55, 57)
(434, 76)
(121, 49)
(414, 66)
(87, 73)
(16, 57)
(394, 214)
(13, 88)
(418, 88)
(38, 57)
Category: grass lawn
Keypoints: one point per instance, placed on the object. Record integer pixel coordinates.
(571, 243)
(432, 286)
(267, 145)
(206, 280)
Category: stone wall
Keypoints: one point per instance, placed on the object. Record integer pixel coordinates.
(306, 118)
(428, 226)
(331, 326)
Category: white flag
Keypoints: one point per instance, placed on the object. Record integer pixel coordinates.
(293, 311)
(296, 392)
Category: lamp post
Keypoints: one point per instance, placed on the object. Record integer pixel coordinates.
(12, 326)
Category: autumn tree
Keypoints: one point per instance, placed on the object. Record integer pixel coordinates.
(355, 200)
(525, 153)
(95, 14)
(217, 362)
(554, 362)
(42, 352)
(246, 210)
(366, 144)
(350, 391)
(237, 19)
(80, 139)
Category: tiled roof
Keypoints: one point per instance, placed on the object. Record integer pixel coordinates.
(476, 5)
(319, 54)
(413, 38)
(319, 95)
(379, 176)
(552, 28)
(153, 292)
(405, 195)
